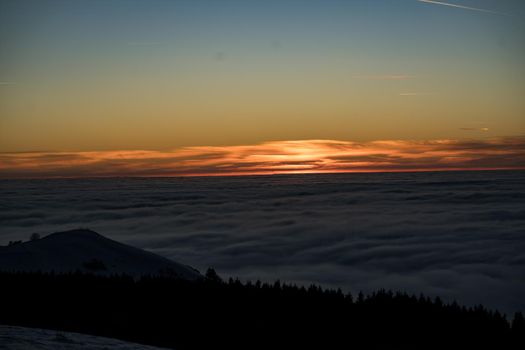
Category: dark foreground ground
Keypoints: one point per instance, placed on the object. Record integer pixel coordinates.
(23, 338)
(213, 314)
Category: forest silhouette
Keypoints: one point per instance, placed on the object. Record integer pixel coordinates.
(212, 313)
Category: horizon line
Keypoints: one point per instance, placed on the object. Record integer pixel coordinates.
(264, 174)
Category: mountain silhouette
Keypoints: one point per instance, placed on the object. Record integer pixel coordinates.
(87, 251)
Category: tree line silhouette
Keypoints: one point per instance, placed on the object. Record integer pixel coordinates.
(212, 313)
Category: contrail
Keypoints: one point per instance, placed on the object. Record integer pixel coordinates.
(463, 7)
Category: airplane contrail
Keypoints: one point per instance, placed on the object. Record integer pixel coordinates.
(463, 7)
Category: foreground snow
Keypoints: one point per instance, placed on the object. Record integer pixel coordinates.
(19, 338)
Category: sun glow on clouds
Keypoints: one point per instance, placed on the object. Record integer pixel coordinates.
(276, 157)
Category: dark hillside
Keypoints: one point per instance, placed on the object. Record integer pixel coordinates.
(214, 314)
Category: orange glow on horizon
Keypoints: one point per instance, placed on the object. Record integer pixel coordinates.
(276, 157)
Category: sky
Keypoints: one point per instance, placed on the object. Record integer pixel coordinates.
(94, 79)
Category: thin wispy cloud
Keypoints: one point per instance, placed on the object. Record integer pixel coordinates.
(144, 43)
(475, 129)
(277, 157)
(463, 7)
(385, 77)
(415, 94)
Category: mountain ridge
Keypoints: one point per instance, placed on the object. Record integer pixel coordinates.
(88, 251)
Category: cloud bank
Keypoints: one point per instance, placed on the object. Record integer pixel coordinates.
(277, 157)
(459, 235)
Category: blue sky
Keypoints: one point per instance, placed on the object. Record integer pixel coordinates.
(169, 74)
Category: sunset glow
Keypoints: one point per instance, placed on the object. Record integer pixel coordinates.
(232, 87)
(275, 170)
(278, 157)
(167, 75)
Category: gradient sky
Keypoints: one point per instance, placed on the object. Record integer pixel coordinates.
(105, 75)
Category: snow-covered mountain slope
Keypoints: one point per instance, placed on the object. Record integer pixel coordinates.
(88, 251)
(20, 338)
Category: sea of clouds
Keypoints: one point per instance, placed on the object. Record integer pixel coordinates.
(459, 235)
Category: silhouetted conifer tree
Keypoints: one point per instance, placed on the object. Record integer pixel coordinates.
(518, 325)
(212, 276)
(174, 313)
(360, 297)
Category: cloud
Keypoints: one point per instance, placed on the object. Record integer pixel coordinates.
(144, 43)
(276, 157)
(415, 94)
(463, 7)
(385, 77)
(475, 129)
(458, 235)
